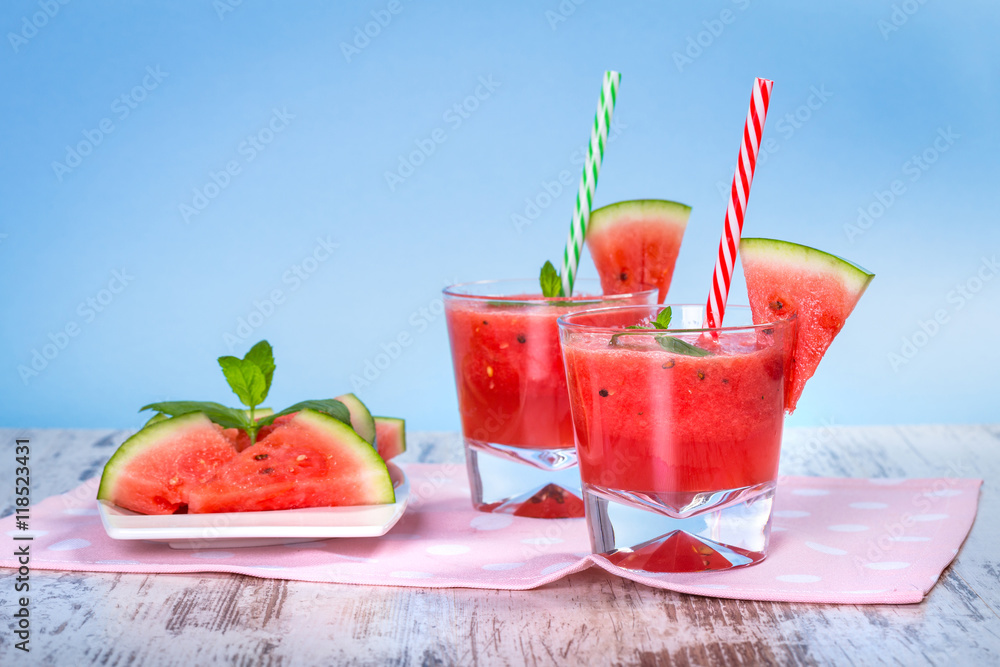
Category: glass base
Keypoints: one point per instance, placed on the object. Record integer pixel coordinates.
(537, 483)
(680, 532)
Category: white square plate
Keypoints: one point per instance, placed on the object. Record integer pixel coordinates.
(249, 529)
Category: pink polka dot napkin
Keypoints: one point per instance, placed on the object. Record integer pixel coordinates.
(852, 541)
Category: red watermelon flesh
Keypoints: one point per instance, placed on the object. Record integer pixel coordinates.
(241, 440)
(390, 436)
(312, 460)
(154, 471)
(786, 279)
(634, 244)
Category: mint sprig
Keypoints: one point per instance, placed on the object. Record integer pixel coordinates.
(218, 413)
(328, 406)
(550, 281)
(668, 343)
(250, 379)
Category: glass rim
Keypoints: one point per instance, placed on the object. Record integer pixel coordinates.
(565, 324)
(452, 291)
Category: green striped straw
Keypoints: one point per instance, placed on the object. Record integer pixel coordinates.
(588, 181)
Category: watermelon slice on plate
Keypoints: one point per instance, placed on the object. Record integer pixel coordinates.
(312, 460)
(634, 244)
(785, 279)
(361, 417)
(154, 471)
(390, 436)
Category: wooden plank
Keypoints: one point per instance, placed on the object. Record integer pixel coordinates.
(105, 619)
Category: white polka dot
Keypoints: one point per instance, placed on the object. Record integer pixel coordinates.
(868, 506)
(810, 492)
(213, 554)
(448, 549)
(848, 528)
(556, 567)
(491, 521)
(502, 566)
(930, 517)
(542, 540)
(944, 493)
(798, 578)
(823, 549)
(790, 514)
(778, 529)
(353, 559)
(408, 574)
(909, 538)
(81, 511)
(888, 481)
(888, 565)
(69, 545)
(118, 562)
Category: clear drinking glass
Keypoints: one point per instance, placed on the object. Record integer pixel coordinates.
(512, 393)
(678, 434)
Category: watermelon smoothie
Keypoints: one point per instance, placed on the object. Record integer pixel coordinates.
(512, 395)
(688, 439)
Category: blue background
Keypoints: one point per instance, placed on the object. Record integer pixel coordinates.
(352, 106)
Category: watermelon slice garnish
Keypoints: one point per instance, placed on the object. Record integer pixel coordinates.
(154, 471)
(312, 460)
(785, 279)
(634, 244)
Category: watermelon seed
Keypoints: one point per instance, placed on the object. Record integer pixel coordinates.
(260, 457)
(268, 471)
(725, 381)
(300, 457)
(603, 393)
(521, 339)
(775, 305)
(701, 375)
(669, 364)
(623, 276)
(485, 322)
(767, 332)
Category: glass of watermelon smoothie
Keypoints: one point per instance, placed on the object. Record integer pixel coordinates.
(678, 433)
(512, 394)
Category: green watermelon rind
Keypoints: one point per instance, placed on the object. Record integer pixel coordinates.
(402, 440)
(141, 442)
(608, 216)
(361, 417)
(378, 480)
(854, 277)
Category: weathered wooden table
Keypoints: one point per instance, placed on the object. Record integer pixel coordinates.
(587, 618)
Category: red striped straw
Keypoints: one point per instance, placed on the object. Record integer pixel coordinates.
(715, 310)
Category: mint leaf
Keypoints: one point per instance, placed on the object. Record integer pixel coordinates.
(262, 356)
(662, 320)
(550, 281)
(245, 379)
(677, 346)
(218, 413)
(328, 406)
